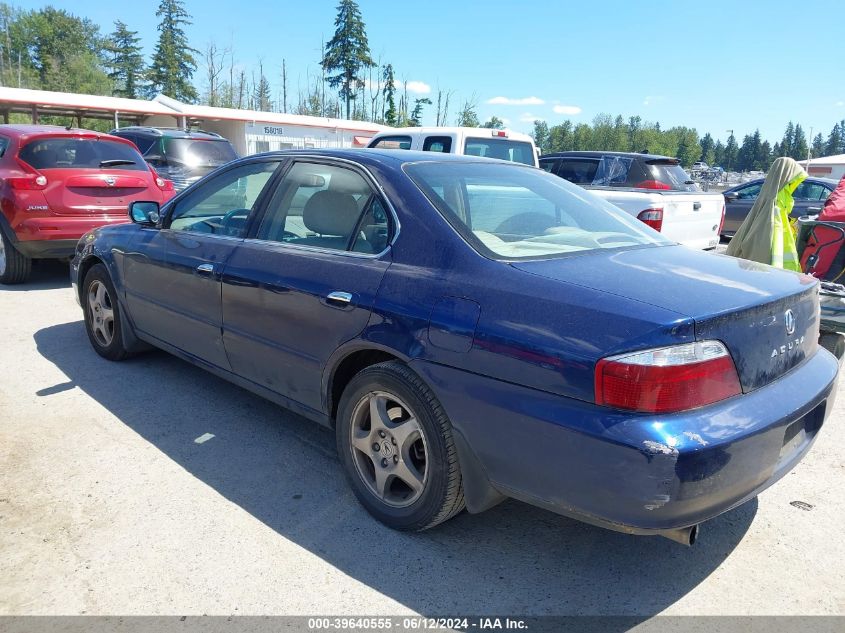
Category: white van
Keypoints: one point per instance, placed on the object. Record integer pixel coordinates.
(470, 141)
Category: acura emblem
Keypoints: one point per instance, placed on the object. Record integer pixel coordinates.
(110, 181)
(789, 321)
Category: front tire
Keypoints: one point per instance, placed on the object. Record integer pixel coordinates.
(14, 267)
(396, 445)
(102, 314)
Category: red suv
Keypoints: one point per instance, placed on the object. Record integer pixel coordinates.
(56, 184)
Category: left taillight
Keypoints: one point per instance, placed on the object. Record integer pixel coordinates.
(667, 379)
(164, 184)
(30, 182)
(652, 217)
(722, 221)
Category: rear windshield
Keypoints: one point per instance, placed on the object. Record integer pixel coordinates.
(199, 152)
(74, 153)
(503, 149)
(509, 212)
(667, 175)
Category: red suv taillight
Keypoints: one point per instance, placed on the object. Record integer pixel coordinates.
(652, 217)
(30, 182)
(667, 379)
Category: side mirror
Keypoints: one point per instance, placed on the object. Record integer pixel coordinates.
(730, 197)
(144, 213)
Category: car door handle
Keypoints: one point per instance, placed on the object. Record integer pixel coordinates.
(205, 269)
(814, 208)
(339, 298)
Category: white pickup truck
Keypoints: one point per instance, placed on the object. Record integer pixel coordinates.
(654, 189)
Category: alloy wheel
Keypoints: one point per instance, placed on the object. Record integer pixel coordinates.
(102, 313)
(389, 449)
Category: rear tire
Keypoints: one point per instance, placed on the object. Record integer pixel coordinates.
(14, 267)
(102, 314)
(395, 443)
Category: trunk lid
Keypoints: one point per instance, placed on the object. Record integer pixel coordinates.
(102, 192)
(767, 318)
(693, 213)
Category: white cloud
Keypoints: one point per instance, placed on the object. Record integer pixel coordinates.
(652, 99)
(525, 101)
(567, 109)
(527, 117)
(840, 103)
(419, 87)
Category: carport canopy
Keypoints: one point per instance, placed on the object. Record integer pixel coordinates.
(38, 103)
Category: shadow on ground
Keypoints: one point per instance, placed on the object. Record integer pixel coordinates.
(47, 274)
(283, 470)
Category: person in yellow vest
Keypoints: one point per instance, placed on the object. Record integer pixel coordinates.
(766, 235)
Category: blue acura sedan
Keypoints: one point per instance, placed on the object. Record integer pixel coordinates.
(474, 330)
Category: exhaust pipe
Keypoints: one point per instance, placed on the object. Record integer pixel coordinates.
(684, 536)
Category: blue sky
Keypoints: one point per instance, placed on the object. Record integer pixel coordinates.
(710, 64)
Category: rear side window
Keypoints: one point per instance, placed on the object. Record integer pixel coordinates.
(75, 153)
(441, 144)
(810, 191)
(145, 143)
(392, 142)
(4, 144)
(549, 166)
(667, 175)
(581, 171)
(503, 149)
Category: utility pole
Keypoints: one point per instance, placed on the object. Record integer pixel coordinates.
(284, 87)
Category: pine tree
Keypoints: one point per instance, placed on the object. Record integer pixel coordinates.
(818, 146)
(788, 140)
(416, 114)
(731, 153)
(348, 52)
(799, 144)
(389, 92)
(541, 135)
(834, 141)
(262, 98)
(125, 63)
(707, 148)
(173, 61)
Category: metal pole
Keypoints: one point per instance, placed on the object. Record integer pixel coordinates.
(116, 121)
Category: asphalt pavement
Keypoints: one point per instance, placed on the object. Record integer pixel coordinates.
(153, 487)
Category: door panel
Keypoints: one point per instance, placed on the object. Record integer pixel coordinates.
(324, 231)
(279, 328)
(173, 274)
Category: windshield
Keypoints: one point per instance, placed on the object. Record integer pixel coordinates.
(516, 213)
(503, 149)
(199, 152)
(75, 153)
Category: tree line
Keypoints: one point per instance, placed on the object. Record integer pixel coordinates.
(52, 49)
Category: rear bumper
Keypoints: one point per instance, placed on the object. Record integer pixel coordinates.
(636, 473)
(57, 236)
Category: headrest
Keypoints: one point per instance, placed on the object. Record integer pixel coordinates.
(331, 213)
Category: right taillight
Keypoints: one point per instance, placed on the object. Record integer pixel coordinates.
(652, 217)
(667, 379)
(722, 221)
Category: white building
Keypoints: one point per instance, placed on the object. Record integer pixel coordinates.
(825, 166)
(249, 131)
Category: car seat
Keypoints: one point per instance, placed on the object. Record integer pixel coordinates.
(333, 216)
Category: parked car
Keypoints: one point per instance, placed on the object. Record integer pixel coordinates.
(474, 330)
(809, 197)
(57, 183)
(183, 156)
(652, 188)
(700, 165)
(470, 141)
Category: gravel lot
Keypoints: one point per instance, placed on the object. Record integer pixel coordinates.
(108, 505)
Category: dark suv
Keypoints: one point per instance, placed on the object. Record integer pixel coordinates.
(619, 169)
(183, 156)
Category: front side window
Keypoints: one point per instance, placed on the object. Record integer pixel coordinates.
(326, 206)
(222, 205)
(750, 192)
(392, 142)
(78, 153)
(811, 191)
(508, 212)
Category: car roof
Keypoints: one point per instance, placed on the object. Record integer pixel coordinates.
(471, 131)
(396, 157)
(170, 132)
(25, 129)
(830, 182)
(598, 154)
